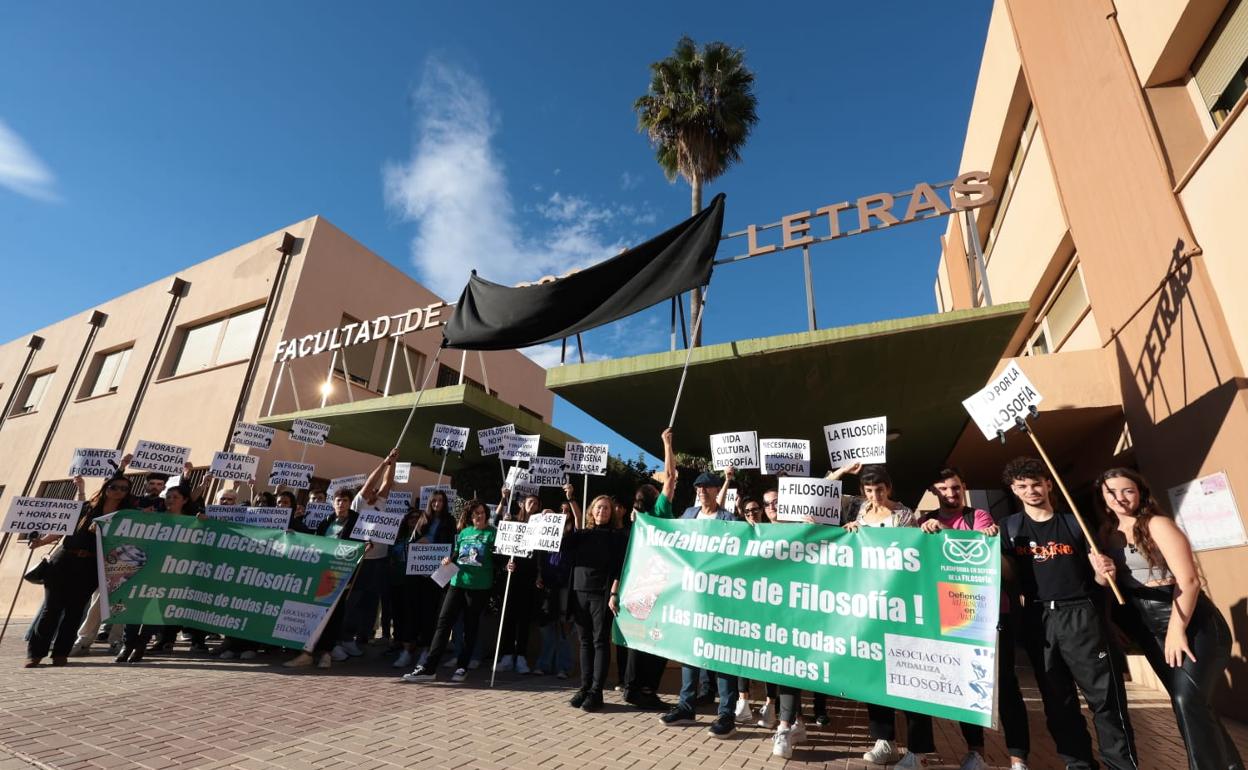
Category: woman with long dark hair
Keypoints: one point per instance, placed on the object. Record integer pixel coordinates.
(419, 599)
(1183, 636)
(71, 576)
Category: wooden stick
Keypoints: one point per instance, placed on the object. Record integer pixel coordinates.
(1070, 501)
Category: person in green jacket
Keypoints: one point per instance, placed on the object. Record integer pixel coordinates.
(468, 593)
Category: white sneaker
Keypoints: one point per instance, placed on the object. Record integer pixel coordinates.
(424, 656)
(973, 761)
(352, 649)
(767, 716)
(420, 674)
(882, 753)
(506, 663)
(744, 714)
(247, 655)
(522, 665)
(474, 664)
(338, 653)
(782, 744)
(80, 650)
(1019, 766)
(459, 675)
(912, 760)
(227, 655)
(403, 661)
(797, 733)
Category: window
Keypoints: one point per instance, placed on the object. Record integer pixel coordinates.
(105, 373)
(31, 395)
(356, 361)
(1221, 67)
(409, 367)
(222, 341)
(1061, 314)
(446, 376)
(1007, 189)
(61, 489)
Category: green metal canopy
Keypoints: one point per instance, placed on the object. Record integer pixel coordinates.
(372, 425)
(915, 370)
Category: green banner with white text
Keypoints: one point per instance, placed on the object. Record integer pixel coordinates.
(892, 616)
(267, 585)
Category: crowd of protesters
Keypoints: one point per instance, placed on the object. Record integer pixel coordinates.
(1053, 605)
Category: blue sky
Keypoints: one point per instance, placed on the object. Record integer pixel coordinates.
(138, 138)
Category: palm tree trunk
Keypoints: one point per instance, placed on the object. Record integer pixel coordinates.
(695, 296)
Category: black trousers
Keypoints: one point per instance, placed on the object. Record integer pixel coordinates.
(416, 609)
(67, 590)
(458, 601)
(1070, 645)
(372, 582)
(1010, 707)
(593, 621)
(882, 724)
(643, 671)
(1191, 686)
(331, 634)
(137, 637)
(518, 618)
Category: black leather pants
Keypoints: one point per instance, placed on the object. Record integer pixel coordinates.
(1191, 686)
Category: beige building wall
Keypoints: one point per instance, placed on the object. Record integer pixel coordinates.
(329, 275)
(1127, 172)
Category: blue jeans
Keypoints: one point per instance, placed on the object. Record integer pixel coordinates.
(556, 653)
(689, 691)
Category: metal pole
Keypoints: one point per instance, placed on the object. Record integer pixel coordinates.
(445, 453)
(277, 385)
(580, 347)
(680, 308)
(416, 403)
(407, 362)
(811, 324)
(290, 373)
(329, 379)
(485, 376)
(346, 378)
(394, 352)
(977, 251)
(688, 354)
(178, 289)
(463, 364)
(502, 614)
(673, 324)
(563, 351)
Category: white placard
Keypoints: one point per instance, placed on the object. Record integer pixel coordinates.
(287, 473)
(856, 441)
(820, 499)
(511, 539)
(785, 466)
(377, 526)
(491, 439)
(518, 482)
(425, 558)
(545, 531)
(427, 491)
(43, 515)
(520, 446)
(794, 448)
(252, 435)
(309, 432)
(275, 517)
(585, 458)
(449, 437)
(402, 473)
(159, 458)
(232, 466)
(738, 449)
(547, 472)
(442, 575)
(730, 500)
(346, 482)
(315, 514)
(1206, 511)
(399, 502)
(95, 463)
(1006, 397)
(235, 514)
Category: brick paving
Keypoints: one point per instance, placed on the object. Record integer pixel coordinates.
(179, 711)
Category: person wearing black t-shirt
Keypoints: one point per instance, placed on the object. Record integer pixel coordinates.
(1063, 627)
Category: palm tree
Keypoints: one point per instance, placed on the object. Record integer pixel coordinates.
(698, 113)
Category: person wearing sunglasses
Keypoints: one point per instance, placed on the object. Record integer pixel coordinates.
(71, 577)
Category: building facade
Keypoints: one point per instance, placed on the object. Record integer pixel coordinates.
(175, 360)
(1115, 136)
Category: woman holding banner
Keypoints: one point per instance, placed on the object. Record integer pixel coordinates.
(596, 558)
(1183, 636)
(467, 595)
(70, 576)
(419, 598)
(876, 508)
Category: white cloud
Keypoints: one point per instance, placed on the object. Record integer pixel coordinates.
(547, 356)
(630, 181)
(21, 170)
(454, 187)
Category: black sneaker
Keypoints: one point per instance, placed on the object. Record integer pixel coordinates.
(705, 698)
(723, 727)
(678, 716)
(822, 720)
(646, 701)
(592, 702)
(578, 700)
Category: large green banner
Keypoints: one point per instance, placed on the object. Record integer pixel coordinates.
(892, 616)
(268, 585)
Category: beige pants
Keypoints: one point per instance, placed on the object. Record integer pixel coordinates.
(90, 627)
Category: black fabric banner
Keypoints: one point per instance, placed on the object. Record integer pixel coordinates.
(489, 316)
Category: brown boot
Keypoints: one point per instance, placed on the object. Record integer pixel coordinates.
(31, 663)
(60, 660)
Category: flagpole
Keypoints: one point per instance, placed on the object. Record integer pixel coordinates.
(697, 324)
(445, 452)
(502, 614)
(584, 500)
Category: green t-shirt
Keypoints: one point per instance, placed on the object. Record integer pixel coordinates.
(474, 555)
(663, 508)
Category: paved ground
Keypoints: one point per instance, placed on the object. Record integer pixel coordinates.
(180, 711)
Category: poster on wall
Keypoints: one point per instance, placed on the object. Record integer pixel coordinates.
(1205, 510)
